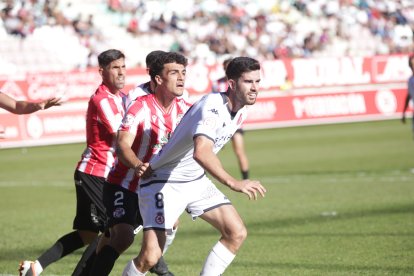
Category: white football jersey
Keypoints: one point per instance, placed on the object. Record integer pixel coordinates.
(140, 90)
(210, 117)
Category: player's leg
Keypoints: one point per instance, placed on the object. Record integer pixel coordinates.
(233, 233)
(164, 203)
(93, 187)
(122, 211)
(150, 253)
(239, 150)
(170, 237)
(217, 210)
(412, 124)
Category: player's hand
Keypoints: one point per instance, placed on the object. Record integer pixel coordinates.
(143, 171)
(51, 102)
(251, 188)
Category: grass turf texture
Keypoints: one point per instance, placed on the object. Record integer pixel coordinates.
(340, 201)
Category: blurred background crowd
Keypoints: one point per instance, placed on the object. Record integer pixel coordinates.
(59, 35)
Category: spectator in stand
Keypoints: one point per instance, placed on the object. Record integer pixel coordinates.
(287, 29)
(237, 140)
(410, 91)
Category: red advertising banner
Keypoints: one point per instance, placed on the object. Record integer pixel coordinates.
(293, 92)
(334, 107)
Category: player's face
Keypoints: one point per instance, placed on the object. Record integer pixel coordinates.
(173, 78)
(247, 87)
(113, 75)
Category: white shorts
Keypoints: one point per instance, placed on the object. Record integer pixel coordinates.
(161, 204)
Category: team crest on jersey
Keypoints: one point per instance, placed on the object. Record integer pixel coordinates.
(128, 120)
(210, 122)
(159, 218)
(118, 212)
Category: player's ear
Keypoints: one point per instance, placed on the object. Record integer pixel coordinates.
(101, 71)
(232, 84)
(158, 80)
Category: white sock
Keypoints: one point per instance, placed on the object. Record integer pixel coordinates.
(169, 239)
(131, 270)
(217, 261)
(38, 267)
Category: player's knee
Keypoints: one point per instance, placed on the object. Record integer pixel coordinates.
(151, 257)
(241, 235)
(122, 241)
(236, 235)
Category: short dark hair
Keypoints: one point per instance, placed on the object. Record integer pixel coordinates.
(168, 57)
(106, 57)
(226, 63)
(152, 56)
(240, 65)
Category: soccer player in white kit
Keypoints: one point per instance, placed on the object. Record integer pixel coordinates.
(174, 180)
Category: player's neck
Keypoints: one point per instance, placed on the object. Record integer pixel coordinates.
(165, 101)
(232, 102)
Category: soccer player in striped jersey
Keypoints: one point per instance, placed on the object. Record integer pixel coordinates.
(103, 117)
(146, 127)
(174, 180)
(146, 87)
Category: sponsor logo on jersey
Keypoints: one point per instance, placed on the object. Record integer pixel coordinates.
(119, 212)
(213, 110)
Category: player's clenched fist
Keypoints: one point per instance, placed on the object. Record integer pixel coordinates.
(143, 170)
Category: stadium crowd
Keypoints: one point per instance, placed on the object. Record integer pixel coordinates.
(210, 30)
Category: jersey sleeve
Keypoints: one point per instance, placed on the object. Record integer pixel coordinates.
(209, 119)
(109, 114)
(132, 118)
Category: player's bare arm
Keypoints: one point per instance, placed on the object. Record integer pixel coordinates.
(204, 155)
(124, 152)
(25, 107)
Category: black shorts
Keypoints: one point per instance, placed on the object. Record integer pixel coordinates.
(90, 210)
(121, 205)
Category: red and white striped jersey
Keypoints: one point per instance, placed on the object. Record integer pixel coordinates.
(103, 117)
(152, 127)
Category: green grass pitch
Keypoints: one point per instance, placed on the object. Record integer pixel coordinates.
(340, 201)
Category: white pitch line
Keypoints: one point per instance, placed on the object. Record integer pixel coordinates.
(49, 183)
